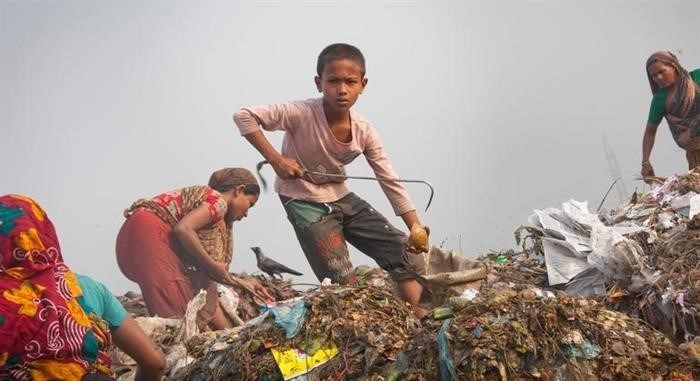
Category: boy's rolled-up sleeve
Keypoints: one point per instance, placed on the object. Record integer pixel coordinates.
(246, 122)
(276, 117)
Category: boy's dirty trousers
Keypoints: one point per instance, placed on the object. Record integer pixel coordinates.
(323, 228)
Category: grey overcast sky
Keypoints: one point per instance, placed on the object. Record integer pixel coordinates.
(504, 106)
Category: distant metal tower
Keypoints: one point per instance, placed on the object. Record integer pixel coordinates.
(615, 171)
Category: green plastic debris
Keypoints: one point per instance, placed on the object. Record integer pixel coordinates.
(361, 281)
(445, 362)
(442, 313)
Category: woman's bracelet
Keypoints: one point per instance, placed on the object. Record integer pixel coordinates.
(645, 162)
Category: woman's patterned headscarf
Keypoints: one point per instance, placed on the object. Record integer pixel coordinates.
(669, 59)
(44, 333)
(228, 178)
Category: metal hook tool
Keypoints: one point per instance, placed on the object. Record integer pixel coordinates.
(338, 176)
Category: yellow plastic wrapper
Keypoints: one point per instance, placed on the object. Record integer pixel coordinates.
(294, 362)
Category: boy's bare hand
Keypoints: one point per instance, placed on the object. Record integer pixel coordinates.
(287, 168)
(418, 239)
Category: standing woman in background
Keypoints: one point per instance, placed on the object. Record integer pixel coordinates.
(677, 98)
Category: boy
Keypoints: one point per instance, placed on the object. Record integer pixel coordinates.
(323, 135)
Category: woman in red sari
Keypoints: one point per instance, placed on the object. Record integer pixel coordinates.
(179, 242)
(44, 333)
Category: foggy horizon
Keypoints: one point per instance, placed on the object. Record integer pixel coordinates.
(504, 107)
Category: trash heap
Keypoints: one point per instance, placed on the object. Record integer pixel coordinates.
(672, 303)
(173, 335)
(510, 327)
(513, 330)
(604, 295)
(249, 308)
(640, 258)
(357, 330)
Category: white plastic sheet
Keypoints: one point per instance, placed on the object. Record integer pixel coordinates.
(577, 242)
(562, 261)
(694, 206)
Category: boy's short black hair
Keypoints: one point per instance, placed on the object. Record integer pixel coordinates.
(339, 51)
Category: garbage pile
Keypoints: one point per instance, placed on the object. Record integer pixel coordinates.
(608, 295)
(346, 332)
(519, 331)
(508, 325)
(249, 308)
(171, 335)
(640, 258)
(672, 304)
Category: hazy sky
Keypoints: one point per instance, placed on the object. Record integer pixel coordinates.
(502, 106)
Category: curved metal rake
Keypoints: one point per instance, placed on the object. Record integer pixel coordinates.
(338, 176)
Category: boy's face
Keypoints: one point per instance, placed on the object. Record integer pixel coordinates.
(341, 83)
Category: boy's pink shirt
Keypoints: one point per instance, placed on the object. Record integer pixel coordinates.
(309, 139)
